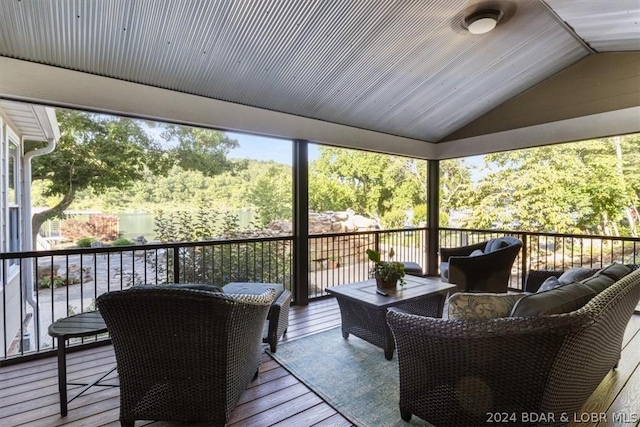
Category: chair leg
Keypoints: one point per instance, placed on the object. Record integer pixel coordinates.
(405, 414)
(127, 423)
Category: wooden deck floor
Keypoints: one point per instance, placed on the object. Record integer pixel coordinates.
(29, 396)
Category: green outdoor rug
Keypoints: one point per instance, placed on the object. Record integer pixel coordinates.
(351, 375)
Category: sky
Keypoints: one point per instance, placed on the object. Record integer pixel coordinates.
(280, 151)
(263, 148)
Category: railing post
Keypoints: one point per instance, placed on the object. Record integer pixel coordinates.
(301, 222)
(176, 265)
(433, 216)
(525, 257)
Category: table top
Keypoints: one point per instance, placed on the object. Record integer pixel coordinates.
(414, 289)
(79, 325)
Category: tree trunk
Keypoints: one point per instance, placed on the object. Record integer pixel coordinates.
(57, 211)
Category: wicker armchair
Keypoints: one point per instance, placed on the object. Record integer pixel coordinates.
(487, 272)
(183, 354)
(455, 372)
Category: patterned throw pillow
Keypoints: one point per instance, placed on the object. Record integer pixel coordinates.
(471, 305)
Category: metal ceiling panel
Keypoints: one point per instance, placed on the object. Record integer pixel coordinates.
(604, 25)
(403, 67)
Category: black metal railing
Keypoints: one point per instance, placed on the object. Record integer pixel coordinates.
(42, 286)
(552, 251)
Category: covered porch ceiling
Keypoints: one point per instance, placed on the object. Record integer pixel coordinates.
(402, 77)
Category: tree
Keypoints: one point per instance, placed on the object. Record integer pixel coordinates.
(271, 194)
(377, 185)
(566, 188)
(98, 153)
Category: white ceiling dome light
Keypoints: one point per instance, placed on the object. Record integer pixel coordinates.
(482, 21)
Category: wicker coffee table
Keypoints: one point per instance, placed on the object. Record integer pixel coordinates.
(364, 312)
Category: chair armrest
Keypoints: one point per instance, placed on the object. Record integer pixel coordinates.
(278, 318)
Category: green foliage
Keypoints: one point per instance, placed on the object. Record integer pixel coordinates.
(200, 149)
(85, 242)
(386, 271)
(121, 241)
(569, 188)
(98, 153)
(370, 183)
(419, 214)
(46, 282)
(271, 195)
(455, 185)
(394, 218)
(217, 262)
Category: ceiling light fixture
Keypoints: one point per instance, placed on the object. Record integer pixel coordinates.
(482, 21)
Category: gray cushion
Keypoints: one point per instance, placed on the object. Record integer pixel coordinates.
(444, 271)
(495, 244)
(616, 271)
(251, 288)
(563, 299)
(550, 283)
(576, 274)
(606, 277)
(477, 252)
(598, 282)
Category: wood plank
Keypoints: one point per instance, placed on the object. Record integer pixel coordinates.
(321, 412)
(615, 381)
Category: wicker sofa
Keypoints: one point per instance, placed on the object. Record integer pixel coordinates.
(458, 370)
(183, 354)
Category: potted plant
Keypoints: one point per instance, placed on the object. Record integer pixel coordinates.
(386, 273)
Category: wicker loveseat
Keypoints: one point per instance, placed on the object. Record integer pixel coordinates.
(459, 371)
(183, 354)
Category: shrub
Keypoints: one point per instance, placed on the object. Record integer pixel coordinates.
(85, 242)
(121, 241)
(218, 263)
(46, 282)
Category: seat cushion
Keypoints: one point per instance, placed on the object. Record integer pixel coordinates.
(251, 288)
(412, 268)
(563, 299)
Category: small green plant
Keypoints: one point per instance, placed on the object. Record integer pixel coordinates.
(85, 242)
(386, 271)
(47, 281)
(121, 241)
